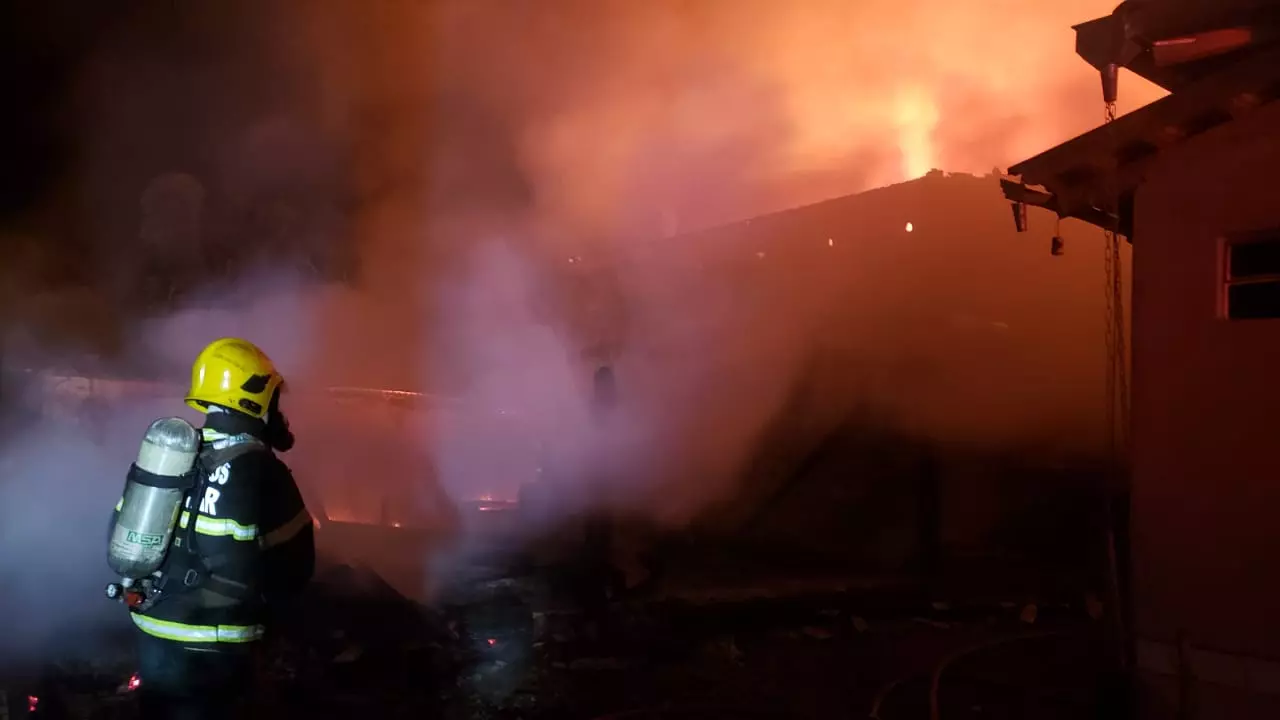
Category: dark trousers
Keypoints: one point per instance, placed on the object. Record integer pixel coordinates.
(193, 682)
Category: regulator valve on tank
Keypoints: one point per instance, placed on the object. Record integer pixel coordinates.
(154, 491)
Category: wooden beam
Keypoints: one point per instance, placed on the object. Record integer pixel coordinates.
(1174, 118)
(1018, 192)
(1040, 197)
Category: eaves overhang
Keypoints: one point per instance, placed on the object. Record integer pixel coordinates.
(1090, 176)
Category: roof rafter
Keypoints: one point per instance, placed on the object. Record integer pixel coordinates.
(1088, 174)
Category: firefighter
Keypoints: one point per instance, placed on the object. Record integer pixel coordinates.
(249, 551)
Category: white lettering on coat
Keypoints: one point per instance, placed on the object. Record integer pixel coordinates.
(209, 503)
(221, 475)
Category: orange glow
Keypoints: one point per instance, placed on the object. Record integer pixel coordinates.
(916, 119)
(352, 518)
(866, 94)
(910, 227)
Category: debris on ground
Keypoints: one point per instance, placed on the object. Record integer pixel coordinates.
(503, 648)
(1093, 606)
(818, 633)
(1029, 614)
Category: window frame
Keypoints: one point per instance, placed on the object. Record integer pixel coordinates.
(1227, 282)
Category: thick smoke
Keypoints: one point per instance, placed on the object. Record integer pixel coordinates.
(715, 108)
(57, 492)
(389, 194)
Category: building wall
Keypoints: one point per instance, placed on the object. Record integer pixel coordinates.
(963, 328)
(1206, 423)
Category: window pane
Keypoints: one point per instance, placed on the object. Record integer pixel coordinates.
(1252, 301)
(1255, 258)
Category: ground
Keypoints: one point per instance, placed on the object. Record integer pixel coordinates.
(503, 649)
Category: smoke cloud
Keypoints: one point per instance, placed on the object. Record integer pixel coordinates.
(708, 109)
(389, 195)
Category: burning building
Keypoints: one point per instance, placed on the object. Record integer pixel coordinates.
(1189, 180)
(870, 304)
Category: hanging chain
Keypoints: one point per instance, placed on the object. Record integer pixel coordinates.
(1117, 374)
(1121, 349)
(1117, 416)
(1108, 259)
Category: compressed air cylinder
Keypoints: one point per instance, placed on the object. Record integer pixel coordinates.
(153, 495)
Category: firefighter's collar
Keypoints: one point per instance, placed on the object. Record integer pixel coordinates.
(221, 441)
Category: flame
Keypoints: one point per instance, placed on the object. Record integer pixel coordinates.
(917, 119)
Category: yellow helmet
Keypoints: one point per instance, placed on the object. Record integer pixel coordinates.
(235, 374)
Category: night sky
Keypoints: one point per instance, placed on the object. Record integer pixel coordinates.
(42, 46)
